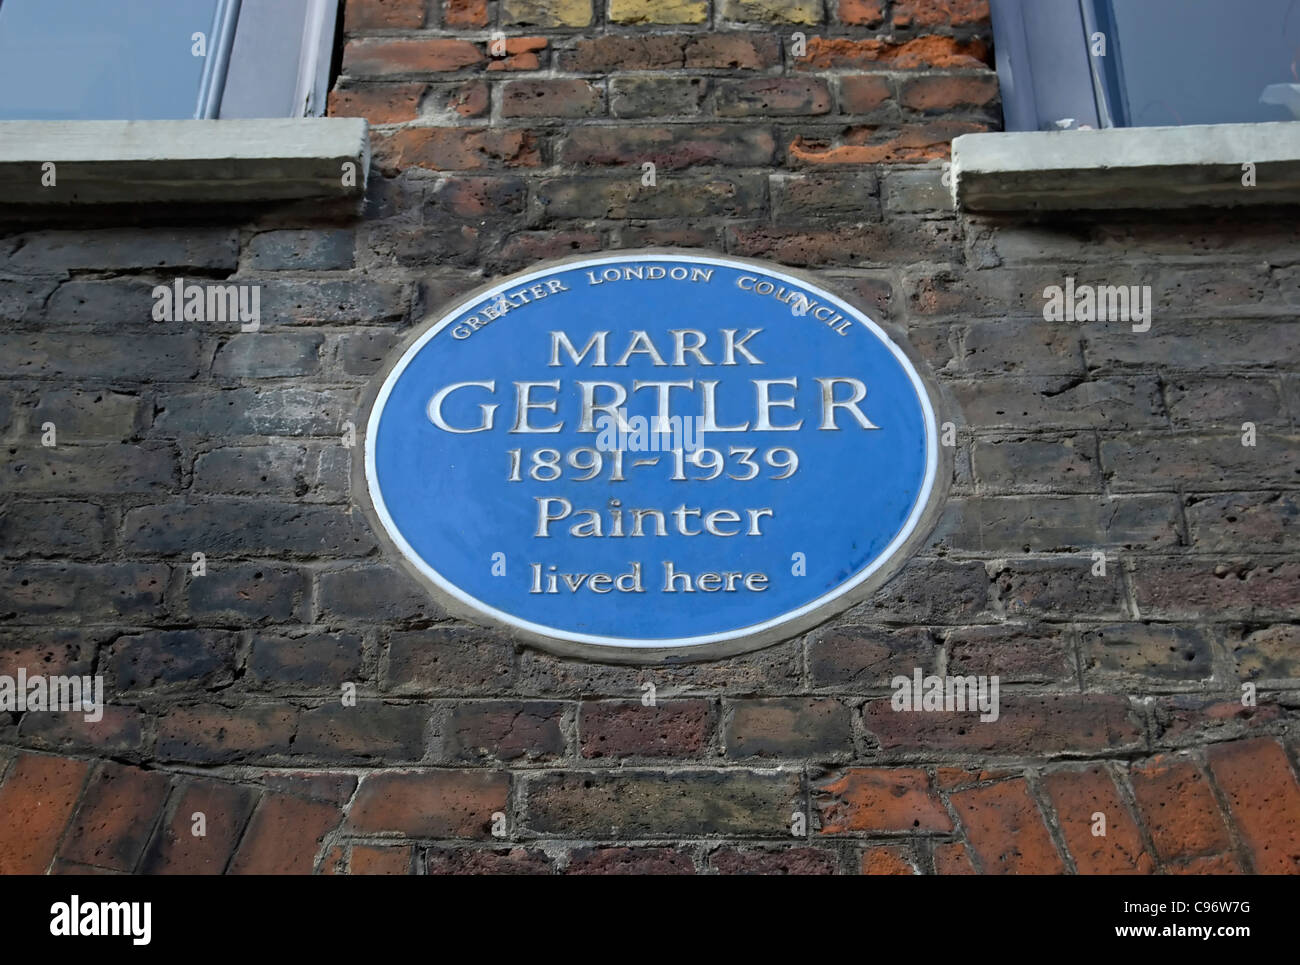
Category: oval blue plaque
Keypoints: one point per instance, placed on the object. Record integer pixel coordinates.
(652, 450)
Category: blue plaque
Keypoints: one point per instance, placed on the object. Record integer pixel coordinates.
(652, 454)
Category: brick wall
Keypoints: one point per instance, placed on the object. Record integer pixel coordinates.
(1121, 690)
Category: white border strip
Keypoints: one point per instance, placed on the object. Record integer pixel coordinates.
(381, 508)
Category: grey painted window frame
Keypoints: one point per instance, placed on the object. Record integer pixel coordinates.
(1046, 75)
(248, 90)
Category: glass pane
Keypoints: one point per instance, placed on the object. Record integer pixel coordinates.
(1206, 61)
(101, 59)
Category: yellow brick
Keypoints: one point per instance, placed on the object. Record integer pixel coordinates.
(772, 11)
(658, 11)
(548, 13)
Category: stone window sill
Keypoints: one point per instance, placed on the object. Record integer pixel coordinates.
(117, 162)
(1135, 167)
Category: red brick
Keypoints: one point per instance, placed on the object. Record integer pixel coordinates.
(1215, 864)
(1006, 831)
(917, 54)
(116, 817)
(36, 800)
(521, 54)
(940, 13)
(455, 149)
(887, 860)
(1178, 808)
(383, 58)
(383, 15)
(1026, 724)
(864, 13)
(863, 93)
(465, 13)
(551, 97)
(617, 728)
(430, 804)
(950, 858)
(367, 860)
(774, 861)
(629, 861)
(502, 861)
(1263, 799)
(1077, 796)
(881, 799)
(870, 145)
(284, 836)
(378, 103)
(176, 850)
(948, 92)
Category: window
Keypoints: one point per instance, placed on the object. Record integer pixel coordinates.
(1141, 63)
(164, 59)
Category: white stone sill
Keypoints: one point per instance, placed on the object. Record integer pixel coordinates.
(125, 162)
(1134, 167)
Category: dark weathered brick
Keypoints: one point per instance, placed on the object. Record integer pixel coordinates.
(446, 660)
(265, 527)
(1162, 461)
(772, 97)
(669, 148)
(1036, 464)
(256, 412)
(35, 592)
(246, 593)
(171, 658)
(636, 804)
(1216, 588)
(264, 355)
(626, 197)
(628, 728)
(124, 248)
(82, 469)
(313, 472)
(657, 96)
(317, 249)
(629, 861)
(30, 528)
(1150, 652)
(87, 416)
(367, 731)
(214, 734)
(374, 593)
(1025, 725)
(314, 661)
(1015, 653)
(1056, 589)
(513, 731)
(144, 358)
(852, 657)
(1269, 654)
(788, 727)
